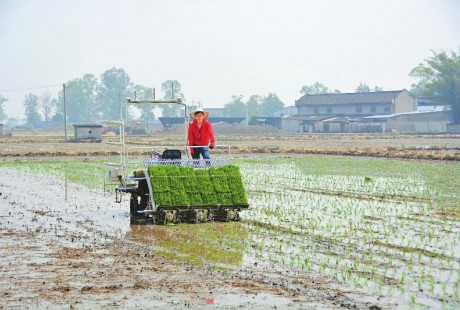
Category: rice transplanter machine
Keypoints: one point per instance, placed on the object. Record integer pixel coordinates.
(168, 188)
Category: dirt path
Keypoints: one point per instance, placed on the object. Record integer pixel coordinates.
(81, 254)
(434, 147)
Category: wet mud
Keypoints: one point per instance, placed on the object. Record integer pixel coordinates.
(77, 250)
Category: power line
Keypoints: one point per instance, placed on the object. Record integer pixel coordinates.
(28, 88)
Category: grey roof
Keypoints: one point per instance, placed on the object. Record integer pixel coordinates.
(424, 108)
(87, 125)
(386, 116)
(349, 98)
(315, 118)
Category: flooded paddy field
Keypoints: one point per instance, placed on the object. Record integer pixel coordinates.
(322, 232)
(75, 248)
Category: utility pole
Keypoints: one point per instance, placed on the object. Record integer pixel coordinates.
(65, 114)
(247, 114)
(121, 108)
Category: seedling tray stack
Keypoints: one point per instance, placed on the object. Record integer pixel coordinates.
(181, 192)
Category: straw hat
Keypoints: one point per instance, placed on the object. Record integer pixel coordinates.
(197, 111)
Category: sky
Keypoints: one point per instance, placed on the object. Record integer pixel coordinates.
(220, 48)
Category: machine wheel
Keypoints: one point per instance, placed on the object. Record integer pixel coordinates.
(140, 220)
(133, 204)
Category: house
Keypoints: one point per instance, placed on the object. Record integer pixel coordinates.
(291, 110)
(303, 123)
(171, 122)
(214, 112)
(357, 104)
(265, 121)
(345, 112)
(415, 121)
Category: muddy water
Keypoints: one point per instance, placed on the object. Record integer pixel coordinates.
(83, 253)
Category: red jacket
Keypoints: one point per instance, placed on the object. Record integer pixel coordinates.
(200, 136)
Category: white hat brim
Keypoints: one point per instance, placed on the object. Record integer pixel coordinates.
(192, 115)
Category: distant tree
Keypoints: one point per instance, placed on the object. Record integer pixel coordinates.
(253, 105)
(46, 105)
(3, 115)
(418, 90)
(58, 108)
(270, 104)
(364, 88)
(171, 90)
(80, 100)
(81, 96)
(236, 107)
(112, 92)
(31, 105)
(440, 77)
(316, 89)
(145, 93)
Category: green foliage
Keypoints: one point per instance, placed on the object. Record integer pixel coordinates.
(204, 183)
(167, 186)
(236, 107)
(185, 186)
(177, 190)
(2, 111)
(145, 93)
(80, 98)
(317, 88)
(364, 88)
(439, 78)
(236, 184)
(114, 87)
(46, 105)
(192, 186)
(253, 105)
(256, 106)
(171, 90)
(31, 107)
(270, 104)
(88, 98)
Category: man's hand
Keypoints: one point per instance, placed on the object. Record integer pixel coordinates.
(192, 151)
(211, 146)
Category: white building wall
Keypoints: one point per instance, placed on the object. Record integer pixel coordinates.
(291, 126)
(405, 103)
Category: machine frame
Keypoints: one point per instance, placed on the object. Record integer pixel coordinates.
(143, 209)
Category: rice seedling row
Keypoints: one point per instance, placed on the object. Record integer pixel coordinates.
(385, 227)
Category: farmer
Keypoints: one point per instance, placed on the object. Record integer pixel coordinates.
(200, 133)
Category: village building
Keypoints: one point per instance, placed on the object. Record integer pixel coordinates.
(383, 111)
(87, 132)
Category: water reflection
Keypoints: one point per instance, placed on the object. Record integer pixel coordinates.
(199, 244)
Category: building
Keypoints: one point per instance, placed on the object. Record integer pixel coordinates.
(346, 112)
(416, 121)
(87, 132)
(357, 104)
(291, 110)
(214, 112)
(265, 121)
(171, 122)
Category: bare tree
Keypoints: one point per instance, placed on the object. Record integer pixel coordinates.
(46, 105)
